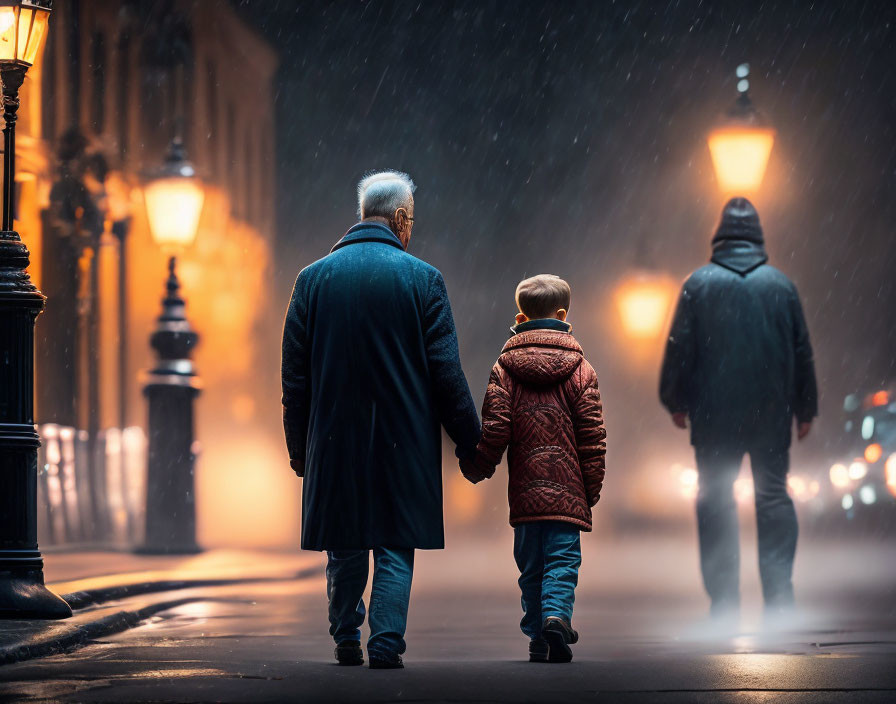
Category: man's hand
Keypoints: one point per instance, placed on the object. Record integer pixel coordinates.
(680, 420)
(298, 467)
(802, 430)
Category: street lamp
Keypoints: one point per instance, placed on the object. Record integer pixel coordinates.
(22, 591)
(174, 197)
(643, 302)
(740, 146)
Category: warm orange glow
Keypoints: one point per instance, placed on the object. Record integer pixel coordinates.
(873, 453)
(464, 500)
(22, 29)
(839, 476)
(880, 398)
(173, 206)
(740, 155)
(890, 473)
(644, 303)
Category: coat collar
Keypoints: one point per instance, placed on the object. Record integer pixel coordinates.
(740, 256)
(368, 232)
(543, 337)
(541, 324)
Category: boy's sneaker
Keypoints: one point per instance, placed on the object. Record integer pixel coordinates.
(349, 652)
(559, 635)
(538, 650)
(385, 662)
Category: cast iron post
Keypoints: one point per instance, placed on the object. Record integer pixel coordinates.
(22, 590)
(171, 391)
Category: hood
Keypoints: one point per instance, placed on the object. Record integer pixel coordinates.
(740, 221)
(740, 256)
(541, 357)
(738, 244)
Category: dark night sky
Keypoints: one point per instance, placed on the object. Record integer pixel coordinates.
(569, 137)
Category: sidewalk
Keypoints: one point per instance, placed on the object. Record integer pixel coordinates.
(110, 592)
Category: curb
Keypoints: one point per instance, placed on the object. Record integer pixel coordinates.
(82, 634)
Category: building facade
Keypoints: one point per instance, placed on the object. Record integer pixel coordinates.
(118, 80)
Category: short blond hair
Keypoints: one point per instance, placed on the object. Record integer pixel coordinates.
(542, 296)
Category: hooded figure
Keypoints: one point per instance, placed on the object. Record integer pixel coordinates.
(739, 366)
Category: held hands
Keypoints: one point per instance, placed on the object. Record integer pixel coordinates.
(475, 470)
(802, 430)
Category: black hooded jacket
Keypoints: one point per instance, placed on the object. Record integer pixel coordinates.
(738, 359)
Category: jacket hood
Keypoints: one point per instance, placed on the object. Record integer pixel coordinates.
(541, 357)
(740, 221)
(738, 244)
(740, 256)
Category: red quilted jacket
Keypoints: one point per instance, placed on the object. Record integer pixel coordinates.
(543, 404)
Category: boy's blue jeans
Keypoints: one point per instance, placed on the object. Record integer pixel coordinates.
(548, 554)
(346, 580)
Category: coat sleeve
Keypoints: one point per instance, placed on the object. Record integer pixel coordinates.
(496, 422)
(805, 405)
(678, 362)
(591, 437)
(454, 404)
(294, 376)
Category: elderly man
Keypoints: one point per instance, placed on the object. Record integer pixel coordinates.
(370, 371)
(739, 366)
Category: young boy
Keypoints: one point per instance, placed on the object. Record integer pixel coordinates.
(543, 403)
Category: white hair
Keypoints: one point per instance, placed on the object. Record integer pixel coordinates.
(383, 192)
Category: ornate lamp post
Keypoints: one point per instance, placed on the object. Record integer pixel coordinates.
(741, 144)
(174, 199)
(23, 25)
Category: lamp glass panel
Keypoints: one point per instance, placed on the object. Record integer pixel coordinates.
(173, 206)
(26, 17)
(8, 17)
(38, 30)
(740, 157)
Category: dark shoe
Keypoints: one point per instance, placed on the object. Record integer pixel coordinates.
(391, 662)
(349, 652)
(559, 636)
(538, 650)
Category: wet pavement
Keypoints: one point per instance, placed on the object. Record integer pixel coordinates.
(639, 610)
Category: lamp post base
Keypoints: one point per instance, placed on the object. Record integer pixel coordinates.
(24, 596)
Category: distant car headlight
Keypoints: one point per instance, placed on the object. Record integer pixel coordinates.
(839, 476)
(858, 470)
(867, 495)
(890, 473)
(687, 480)
(802, 489)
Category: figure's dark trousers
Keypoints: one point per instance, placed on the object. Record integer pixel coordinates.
(718, 528)
(391, 591)
(548, 554)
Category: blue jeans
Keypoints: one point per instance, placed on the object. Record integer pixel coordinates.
(389, 597)
(718, 529)
(548, 554)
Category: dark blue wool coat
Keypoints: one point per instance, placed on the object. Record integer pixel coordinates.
(370, 370)
(738, 358)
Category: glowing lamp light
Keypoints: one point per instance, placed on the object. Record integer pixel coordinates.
(839, 476)
(643, 303)
(174, 198)
(740, 156)
(23, 25)
(873, 453)
(857, 470)
(740, 147)
(890, 473)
